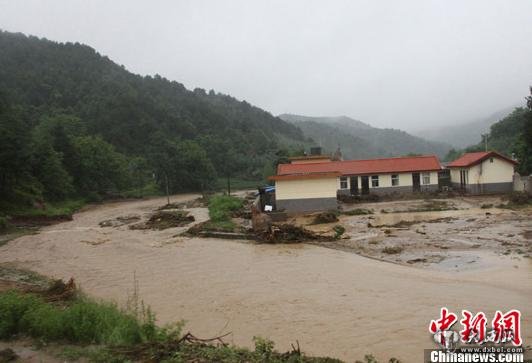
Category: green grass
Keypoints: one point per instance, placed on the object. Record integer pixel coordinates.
(220, 209)
(51, 209)
(149, 190)
(102, 332)
(84, 321)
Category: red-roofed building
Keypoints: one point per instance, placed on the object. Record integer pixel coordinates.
(482, 172)
(314, 183)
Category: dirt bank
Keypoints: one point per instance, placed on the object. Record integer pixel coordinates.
(334, 303)
(465, 235)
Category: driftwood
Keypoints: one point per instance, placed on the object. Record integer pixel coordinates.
(157, 351)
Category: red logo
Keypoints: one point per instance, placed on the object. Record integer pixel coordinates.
(505, 328)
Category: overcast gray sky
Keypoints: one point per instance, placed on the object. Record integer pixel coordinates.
(408, 64)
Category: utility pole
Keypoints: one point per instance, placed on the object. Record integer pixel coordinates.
(485, 142)
(167, 193)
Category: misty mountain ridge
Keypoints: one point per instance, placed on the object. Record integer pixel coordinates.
(465, 133)
(358, 139)
(342, 120)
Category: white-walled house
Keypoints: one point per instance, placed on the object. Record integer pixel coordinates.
(315, 183)
(482, 172)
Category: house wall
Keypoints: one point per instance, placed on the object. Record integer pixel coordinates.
(455, 176)
(486, 177)
(385, 183)
(522, 183)
(304, 195)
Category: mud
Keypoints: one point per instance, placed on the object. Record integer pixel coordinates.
(334, 303)
(165, 219)
(463, 236)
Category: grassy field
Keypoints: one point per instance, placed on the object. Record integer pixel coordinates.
(220, 209)
(51, 209)
(102, 332)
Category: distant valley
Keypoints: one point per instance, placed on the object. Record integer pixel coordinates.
(465, 133)
(357, 139)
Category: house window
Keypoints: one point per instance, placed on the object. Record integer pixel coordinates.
(374, 181)
(491, 160)
(426, 178)
(343, 182)
(395, 180)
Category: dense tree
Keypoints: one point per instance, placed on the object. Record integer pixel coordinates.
(102, 169)
(74, 110)
(16, 180)
(49, 171)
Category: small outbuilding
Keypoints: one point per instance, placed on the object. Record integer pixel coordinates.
(314, 182)
(482, 172)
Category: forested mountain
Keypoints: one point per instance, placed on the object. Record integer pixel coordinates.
(73, 121)
(357, 139)
(464, 133)
(511, 136)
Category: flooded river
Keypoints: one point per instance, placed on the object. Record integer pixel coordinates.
(334, 303)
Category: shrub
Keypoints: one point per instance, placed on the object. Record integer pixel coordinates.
(486, 206)
(85, 321)
(520, 198)
(4, 223)
(221, 206)
(13, 306)
(338, 231)
(392, 250)
(326, 217)
(358, 212)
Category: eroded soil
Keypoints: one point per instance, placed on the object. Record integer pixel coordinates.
(465, 236)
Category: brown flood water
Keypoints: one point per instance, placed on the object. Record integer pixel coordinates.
(334, 303)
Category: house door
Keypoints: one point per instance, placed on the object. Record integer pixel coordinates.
(354, 185)
(463, 179)
(364, 180)
(416, 183)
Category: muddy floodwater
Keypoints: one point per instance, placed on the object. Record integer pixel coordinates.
(333, 302)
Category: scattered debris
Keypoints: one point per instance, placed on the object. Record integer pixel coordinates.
(8, 355)
(325, 217)
(200, 202)
(60, 291)
(417, 260)
(165, 219)
(289, 233)
(95, 243)
(210, 229)
(159, 351)
(358, 212)
(120, 221)
(392, 250)
(405, 224)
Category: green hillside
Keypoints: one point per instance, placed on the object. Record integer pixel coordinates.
(360, 140)
(73, 122)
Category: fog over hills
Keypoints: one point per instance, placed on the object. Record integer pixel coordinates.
(465, 133)
(357, 139)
